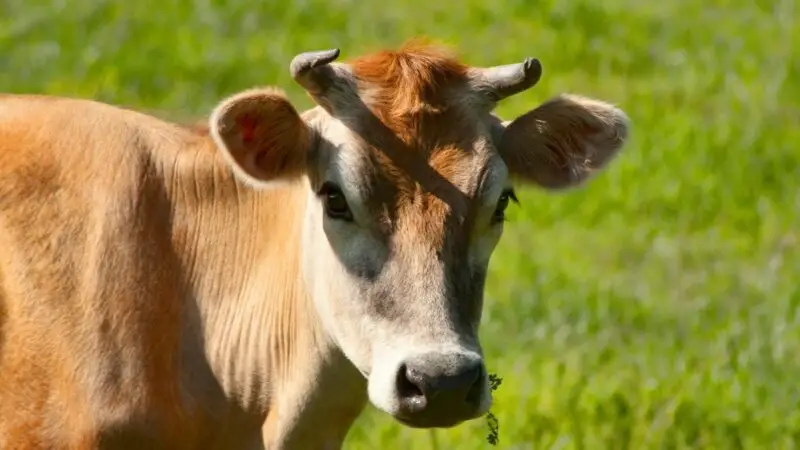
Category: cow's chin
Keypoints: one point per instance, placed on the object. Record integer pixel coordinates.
(432, 420)
(385, 393)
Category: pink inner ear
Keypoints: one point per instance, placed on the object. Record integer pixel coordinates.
(247, 127)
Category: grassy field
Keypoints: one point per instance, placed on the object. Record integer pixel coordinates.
(659, 308)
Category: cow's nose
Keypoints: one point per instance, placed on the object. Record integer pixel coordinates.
(441, 384)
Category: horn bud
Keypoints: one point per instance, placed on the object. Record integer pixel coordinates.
(507, 80)
(312, 70)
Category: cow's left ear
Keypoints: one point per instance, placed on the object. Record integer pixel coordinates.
(261, 135)
(563, 141)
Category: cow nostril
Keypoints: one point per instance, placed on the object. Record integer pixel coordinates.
(438, 389)
(410, 388)
(461, 380)
(475, 391)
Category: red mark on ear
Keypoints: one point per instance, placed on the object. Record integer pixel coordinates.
(247, 125)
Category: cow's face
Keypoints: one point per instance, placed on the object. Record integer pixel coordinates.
(409, 177)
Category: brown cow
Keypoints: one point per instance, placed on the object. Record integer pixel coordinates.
(252, 285)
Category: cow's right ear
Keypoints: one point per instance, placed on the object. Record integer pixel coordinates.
(261, 135)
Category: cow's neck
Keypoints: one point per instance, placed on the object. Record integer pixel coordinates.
(252, 320)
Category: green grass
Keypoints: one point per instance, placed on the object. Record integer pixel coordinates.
(658, 307)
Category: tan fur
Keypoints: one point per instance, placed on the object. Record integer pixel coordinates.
(410, 84)
(106, 225)
(151, 298)
(413, 91)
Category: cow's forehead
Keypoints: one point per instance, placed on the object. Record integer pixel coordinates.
(413, 144)
(421, 188)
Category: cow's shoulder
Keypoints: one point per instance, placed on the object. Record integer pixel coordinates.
(81, 148)
(29, 120)
(90, 291)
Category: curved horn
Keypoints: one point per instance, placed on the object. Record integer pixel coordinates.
(311, 70)
(505, 81)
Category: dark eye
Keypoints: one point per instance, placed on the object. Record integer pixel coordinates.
(502, 204)
(334, 202)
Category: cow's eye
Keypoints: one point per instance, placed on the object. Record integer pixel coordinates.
(335, 203)
(502, 203)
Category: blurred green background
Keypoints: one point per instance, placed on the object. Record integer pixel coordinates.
(659, 306)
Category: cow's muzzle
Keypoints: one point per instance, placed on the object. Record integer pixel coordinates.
(440, 390)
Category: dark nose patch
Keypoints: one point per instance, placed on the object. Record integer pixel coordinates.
(440, 389)
(445, 374)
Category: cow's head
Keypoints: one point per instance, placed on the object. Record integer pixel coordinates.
(409, 177)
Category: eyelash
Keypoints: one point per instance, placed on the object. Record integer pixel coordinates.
(499, 214)
(330, 191)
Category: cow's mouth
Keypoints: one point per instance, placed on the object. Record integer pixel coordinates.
(431, 420)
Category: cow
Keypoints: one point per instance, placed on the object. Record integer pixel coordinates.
(254, 282)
